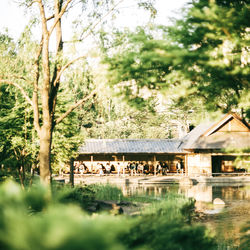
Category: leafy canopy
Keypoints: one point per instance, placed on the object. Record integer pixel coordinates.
(206, 53)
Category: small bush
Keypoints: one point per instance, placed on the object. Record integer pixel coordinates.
(245, 238)
(163, 226)
(80, 195)
(107, 192)
(35, 219)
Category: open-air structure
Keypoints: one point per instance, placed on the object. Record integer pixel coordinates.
(208, 149)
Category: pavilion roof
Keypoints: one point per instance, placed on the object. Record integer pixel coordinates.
(123, 146)
(223, 140)
(211, 135)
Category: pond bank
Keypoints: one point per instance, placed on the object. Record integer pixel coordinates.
(176, 179)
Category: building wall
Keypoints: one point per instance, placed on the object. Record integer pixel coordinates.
(199, 164)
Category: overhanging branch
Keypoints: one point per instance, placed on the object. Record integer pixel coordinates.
(65, 67)
(25, 95)
(59, 16)
(75, 106)
(100, 20)
(35, 90)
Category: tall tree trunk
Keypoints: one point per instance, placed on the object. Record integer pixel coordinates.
(71, 176)
(21, 176)
(49, 96)
(44, 154)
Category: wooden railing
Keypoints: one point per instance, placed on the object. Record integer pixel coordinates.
(233, 174)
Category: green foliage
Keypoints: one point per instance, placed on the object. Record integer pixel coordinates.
(82, 196)
(243, 162)
(33, 219)
(205, 53)
(214, 36)
(109, 116)
(57, 227)
(163, 226)
(155, 232)
(18, 146)
(37, 198)
(245, 240)
(107, 192)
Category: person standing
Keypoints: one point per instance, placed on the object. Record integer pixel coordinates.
(182, 166)
(118, 169)
(108, 168)
(132, 168)
(178, 167)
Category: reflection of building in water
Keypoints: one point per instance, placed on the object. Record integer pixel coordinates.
(234, 192)
(199, 192)
(207, 193)
(148, 190)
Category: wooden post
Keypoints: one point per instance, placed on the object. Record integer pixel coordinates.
(71, 176)
(154, 165)
(123, 163)
(91, 166)
(186, 165)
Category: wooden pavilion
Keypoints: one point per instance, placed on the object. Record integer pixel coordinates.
(209, 148)
(123, 151)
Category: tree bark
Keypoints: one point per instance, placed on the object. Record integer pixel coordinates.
(71, 177)
(45, 153)
(21, 176)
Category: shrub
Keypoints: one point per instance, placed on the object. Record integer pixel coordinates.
(34, 219)
(31, 220)
(80, 195)
(245, 238)
(163, 226)
(107, 192)
(159, 233)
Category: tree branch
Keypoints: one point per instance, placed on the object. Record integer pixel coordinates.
(65, 67)
(59, 16)
(226, 32)
(35, 90)
(51, 17)
(93, 93)
(25, 95)
(100, 20)
(31, 3)
(43, 16)
(57, 66)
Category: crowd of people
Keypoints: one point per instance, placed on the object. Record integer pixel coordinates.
(132, 168)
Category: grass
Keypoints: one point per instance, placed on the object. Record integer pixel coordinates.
(35, 220)
(107, 192)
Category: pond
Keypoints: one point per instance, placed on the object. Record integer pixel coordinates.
(224, 221)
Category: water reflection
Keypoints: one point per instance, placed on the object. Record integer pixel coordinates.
(225, 221)
(231, 195)
(152, 190)
(200, 192)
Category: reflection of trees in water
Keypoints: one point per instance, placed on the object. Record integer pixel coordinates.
(207, 192)
(235, 193)
(226, 225)
(149, 190)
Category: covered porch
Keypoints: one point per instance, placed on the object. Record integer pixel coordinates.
(145, 156)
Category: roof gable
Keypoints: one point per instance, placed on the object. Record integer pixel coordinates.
(229, 123)
(228, 132)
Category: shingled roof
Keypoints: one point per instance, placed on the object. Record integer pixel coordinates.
(205, 136)
(193, 135)
(222, 140)
(124, 146)
(209, 135)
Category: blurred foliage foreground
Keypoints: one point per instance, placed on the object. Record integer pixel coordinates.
(59, 219)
